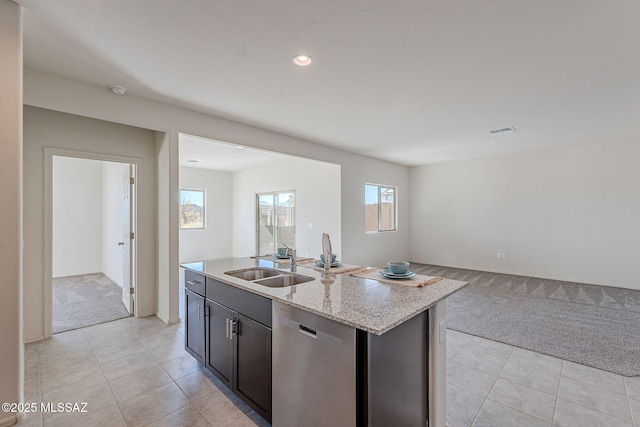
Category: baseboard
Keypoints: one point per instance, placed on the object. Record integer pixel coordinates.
(167, 320)
(13, 419)
(30, 340)
(534, 276)
(174, 321)
(162, 317)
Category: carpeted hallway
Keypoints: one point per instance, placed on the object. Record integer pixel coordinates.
(85, 300)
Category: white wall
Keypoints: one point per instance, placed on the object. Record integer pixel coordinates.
(375, 249)
(46, 128)
(216, 239)
(112, 219)
(11, 350)
(568, 214)
(77, 216)
(87, 217)
(167, 216)
(58, 93)
(318, 201)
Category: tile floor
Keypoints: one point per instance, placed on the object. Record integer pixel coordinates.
(490, 384)
(135, 372)
(131, 372)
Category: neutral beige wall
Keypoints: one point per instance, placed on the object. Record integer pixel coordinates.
(375, 249)
(317, 192)
(53, 92)
(568, 214)
(11, 350)
(167, 238)
(77, 216)
(216, 239)
(46, 128)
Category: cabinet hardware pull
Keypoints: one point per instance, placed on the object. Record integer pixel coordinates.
(200, 307)
(193, 282)
(235, 328)
(227, 326)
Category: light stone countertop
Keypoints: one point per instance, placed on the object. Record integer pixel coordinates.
(366, 304)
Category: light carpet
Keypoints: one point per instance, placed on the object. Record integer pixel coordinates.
(85, 300)
(593, 325)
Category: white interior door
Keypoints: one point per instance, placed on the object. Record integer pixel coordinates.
(128, 238)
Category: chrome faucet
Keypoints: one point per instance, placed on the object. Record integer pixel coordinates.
(327, 252)
(293, 258)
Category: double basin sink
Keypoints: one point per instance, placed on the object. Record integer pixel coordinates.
(269, 277)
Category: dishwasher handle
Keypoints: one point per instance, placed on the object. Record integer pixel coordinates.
(307, 331)
(319, 335)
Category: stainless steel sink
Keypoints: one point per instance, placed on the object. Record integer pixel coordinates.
(254, 273)
(269, 277)
(284, 280)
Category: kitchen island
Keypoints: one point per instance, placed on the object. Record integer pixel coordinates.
(376, 355)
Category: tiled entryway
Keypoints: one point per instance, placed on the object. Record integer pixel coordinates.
(131, 372)
(490, 384)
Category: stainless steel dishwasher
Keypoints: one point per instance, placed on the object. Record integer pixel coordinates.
(314, 370)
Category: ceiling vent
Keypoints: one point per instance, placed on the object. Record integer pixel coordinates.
(503, 130)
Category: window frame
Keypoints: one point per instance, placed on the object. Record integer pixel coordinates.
(379, 191)
(204, 209)
(277, 237)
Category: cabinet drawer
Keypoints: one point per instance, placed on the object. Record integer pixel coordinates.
(194, 282)
(251, 305)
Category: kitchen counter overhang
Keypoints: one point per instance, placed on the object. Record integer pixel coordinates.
(366, 304)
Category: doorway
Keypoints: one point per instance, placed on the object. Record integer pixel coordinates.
(93, 241)
(275, 221)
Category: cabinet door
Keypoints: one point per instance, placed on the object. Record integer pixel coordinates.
(194, 331)
(220, 343)
(253, 365)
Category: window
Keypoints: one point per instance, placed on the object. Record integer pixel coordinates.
(380, 208)
(191, 209)
(275, 221)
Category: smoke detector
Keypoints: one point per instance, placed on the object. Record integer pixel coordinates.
(118, 90)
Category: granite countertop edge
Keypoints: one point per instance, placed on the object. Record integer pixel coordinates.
(385, 313)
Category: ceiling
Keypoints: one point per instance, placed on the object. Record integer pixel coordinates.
(221, 156)
(414, 82)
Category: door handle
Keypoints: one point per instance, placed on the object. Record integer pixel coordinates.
(120, 243)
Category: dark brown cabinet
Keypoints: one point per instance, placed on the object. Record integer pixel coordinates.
(253, 365)
(194, 327)
(195, 310)
(220, 344)
(229, 331)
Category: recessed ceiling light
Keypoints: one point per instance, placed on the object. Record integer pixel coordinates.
(239, 147)
(118, 90)
(302, 59)
(195, 161)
